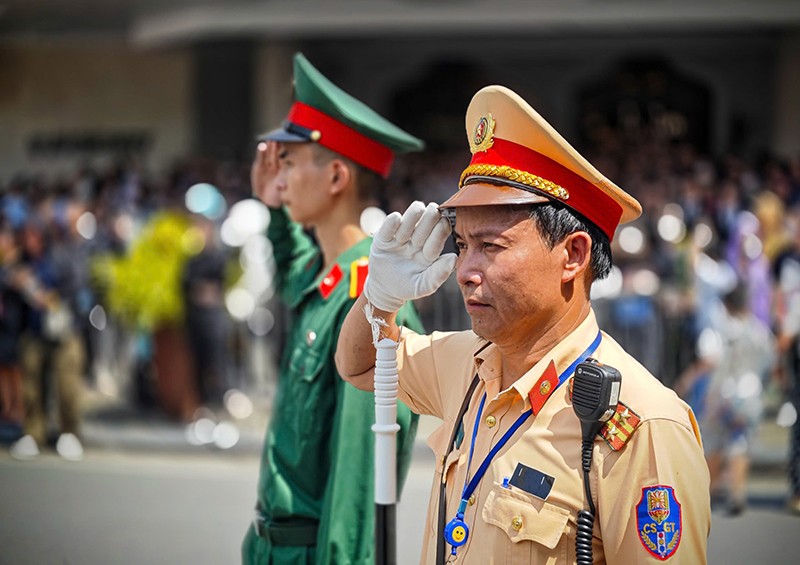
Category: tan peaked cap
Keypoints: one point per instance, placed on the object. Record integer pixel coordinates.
(519, 158)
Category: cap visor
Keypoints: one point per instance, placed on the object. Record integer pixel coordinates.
(282, 136)
(485, 194)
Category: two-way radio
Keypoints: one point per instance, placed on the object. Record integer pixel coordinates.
(595, 395)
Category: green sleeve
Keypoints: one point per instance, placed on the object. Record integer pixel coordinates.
(347, 523)
(297, 258)
(347, 517)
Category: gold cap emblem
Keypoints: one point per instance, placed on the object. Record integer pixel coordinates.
(483, 134)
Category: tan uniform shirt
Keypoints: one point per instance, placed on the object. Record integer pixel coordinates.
(651, 493)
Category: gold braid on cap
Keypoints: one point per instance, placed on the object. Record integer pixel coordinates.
(515, 175)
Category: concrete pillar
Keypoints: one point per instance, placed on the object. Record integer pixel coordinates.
(223, 98)
(272, 85)
(786, 117)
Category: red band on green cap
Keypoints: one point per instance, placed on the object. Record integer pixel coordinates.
(343, 139)
(584, 196)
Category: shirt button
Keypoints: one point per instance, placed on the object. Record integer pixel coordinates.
(311, 337)
(516, 523)
(491, 421)
(471, 500)
(544, 388)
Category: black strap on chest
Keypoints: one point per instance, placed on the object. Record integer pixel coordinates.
(440, 545)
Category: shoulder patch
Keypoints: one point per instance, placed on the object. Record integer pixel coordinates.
(358, 276)
(659, 521)
(620, 427)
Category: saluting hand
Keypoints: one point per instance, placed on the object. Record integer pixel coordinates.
(265, 178)
(405, 261)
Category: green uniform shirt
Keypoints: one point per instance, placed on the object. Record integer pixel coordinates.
(317, 462)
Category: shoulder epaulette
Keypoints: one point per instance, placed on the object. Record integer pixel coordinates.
(620, 427)
(358, 276)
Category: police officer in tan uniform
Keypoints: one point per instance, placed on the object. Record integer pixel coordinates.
(533, 223)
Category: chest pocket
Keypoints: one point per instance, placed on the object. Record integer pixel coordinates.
(525, 521)
(306, 362)
(312, 398)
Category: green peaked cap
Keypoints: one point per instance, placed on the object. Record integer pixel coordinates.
(313, 88)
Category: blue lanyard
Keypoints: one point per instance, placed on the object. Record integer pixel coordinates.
(472, 485)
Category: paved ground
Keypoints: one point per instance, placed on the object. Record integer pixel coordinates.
(192, 507)
(142, 475)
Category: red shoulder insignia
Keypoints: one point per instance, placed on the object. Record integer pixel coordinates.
(620, 427)
(358, 276)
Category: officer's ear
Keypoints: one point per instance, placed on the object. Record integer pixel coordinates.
(577, 255)
(340, 175)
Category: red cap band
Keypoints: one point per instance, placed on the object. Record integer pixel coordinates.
(343, 139)
(584, 197)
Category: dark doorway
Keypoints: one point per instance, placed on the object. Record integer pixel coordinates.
(223, 105)
(645, 100)
(434, 105)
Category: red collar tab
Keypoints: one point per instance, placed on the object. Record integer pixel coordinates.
(343, 139)
(330, 281)
(543, 388)
(584, 197)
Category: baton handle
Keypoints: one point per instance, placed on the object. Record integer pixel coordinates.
(386, 426)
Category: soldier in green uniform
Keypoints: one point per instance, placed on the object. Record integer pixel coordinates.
(319, 171)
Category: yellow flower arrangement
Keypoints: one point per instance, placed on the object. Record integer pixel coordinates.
(143, 287)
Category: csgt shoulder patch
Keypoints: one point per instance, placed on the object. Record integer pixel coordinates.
(658, 520)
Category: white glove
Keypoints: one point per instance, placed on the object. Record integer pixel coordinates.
(404, 261)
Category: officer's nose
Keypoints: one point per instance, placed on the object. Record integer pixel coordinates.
(468, 272)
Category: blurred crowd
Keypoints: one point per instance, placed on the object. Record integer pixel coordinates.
(59, 329)
(719, 240)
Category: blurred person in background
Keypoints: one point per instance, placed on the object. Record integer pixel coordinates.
(12, 316)
(52, 352)
(745, 253)
(713, 279)
(770, 211)
(207, 323)
(739, 364)
(787, 275)
(319, 171)
(71, 255)
(14, 203)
